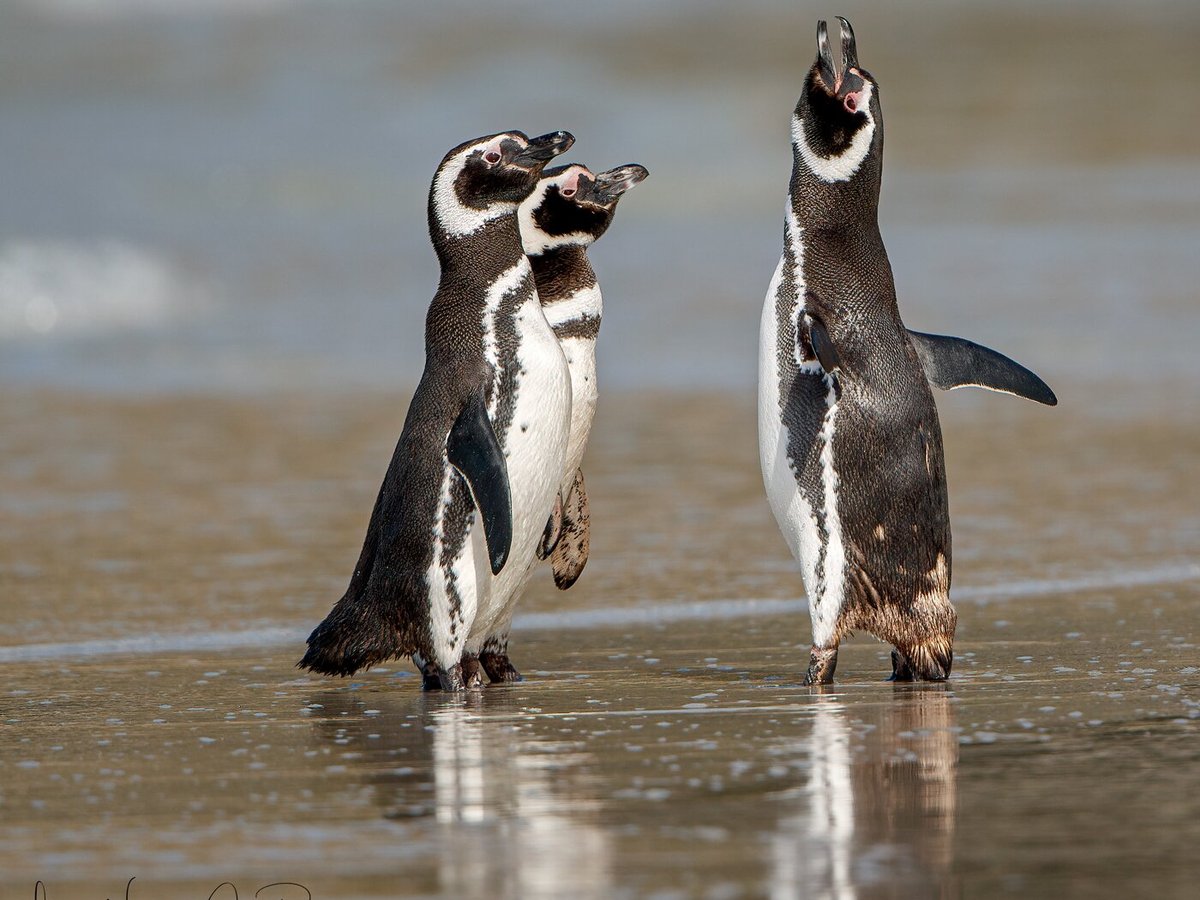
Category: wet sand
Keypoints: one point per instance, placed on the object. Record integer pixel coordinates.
(162, 558)
(683, 760)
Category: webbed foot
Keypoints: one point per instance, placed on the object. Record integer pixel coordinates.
(822, 662)
(499, 668)
(472, 672)
(450, 680)
(901, 670)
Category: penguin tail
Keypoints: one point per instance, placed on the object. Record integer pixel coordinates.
(927, 661)
(356, 635)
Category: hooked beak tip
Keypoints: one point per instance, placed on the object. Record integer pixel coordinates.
(545, 147)
(828, 71)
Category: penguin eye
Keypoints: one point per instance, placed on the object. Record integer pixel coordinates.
(851, 102)
(568, 192)
(491, 157)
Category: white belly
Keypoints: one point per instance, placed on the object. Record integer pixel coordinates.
(580, 352)
(795, 515)
(535, 450)
(581, 361)
(792, 513)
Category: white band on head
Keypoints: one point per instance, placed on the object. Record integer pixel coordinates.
(843, 166)
(533, 238)
(455, 218)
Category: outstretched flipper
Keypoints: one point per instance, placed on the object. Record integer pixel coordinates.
(571, 553)
(953, 362)
(473, 450)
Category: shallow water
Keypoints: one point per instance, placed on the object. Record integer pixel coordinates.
(669, 761)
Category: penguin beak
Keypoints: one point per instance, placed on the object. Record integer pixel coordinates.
(831, 75)
(849, 47)
(828, 71)
(609, 186)
(544, 148)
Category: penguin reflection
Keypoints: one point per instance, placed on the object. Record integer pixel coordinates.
(877, 816)
(485, 782)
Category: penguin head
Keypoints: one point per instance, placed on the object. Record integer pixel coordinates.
(573, 206)
(838, 122)
(483, 179)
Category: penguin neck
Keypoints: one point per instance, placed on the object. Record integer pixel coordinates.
(851, 205)
(561, 271)
(479, 256)
(838, 192)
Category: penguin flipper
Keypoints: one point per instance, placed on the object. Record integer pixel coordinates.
(953, 362)
(472, 448)
(553, 530)
(570, 554)
(822, 344)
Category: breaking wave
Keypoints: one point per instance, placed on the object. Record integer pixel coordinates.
(67, 289)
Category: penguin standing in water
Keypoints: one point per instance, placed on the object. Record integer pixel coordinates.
(467, 493)
(567, 212)
(849, 440)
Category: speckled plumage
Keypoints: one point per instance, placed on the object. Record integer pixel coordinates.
(489, 417)
(850, 443)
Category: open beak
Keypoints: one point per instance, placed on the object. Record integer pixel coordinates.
(544, 148)
(831, 74)
(610, 185)
(849, 47)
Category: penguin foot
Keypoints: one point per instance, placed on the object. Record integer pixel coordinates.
(450, 679)
(462, 676)
(472, 673)
(431, 679)
(901, 670)
(822, 661)
(499, 668)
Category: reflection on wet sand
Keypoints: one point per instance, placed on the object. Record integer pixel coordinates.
(509, 806)
(510, 799)
(878, 811)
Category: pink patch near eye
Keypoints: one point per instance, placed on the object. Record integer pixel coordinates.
(851, 102)
(571, 186)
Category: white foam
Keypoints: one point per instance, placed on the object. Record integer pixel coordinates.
(587, 619)
(55, 288)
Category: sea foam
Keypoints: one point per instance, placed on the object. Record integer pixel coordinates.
(66, 289)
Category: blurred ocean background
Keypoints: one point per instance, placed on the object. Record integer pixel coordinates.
(229, 195)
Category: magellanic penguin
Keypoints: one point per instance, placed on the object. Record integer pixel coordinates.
(467, 493)
(849, 440)
(567, 212)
